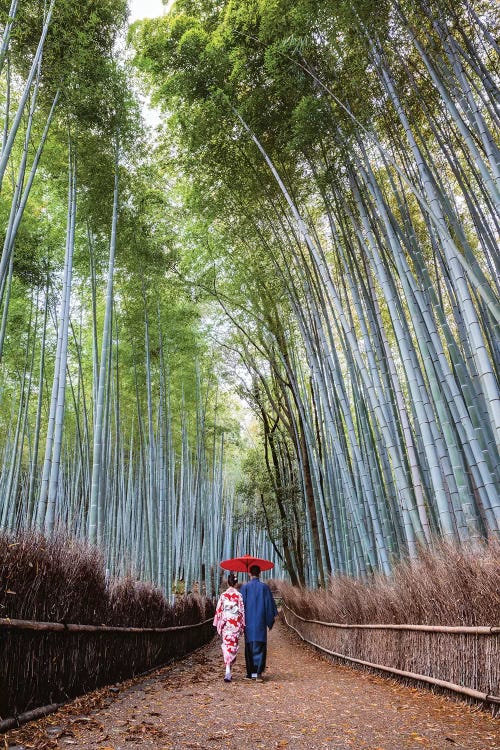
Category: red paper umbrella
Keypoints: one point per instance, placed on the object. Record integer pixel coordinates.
(243, 564)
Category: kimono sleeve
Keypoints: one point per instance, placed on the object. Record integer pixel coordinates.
(242, 612)
(218, 621)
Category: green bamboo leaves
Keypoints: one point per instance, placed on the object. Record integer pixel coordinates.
(108, 405)
(355, 150)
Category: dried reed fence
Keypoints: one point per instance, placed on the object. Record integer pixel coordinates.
(436, 620)
(48, 663)
(65, 630)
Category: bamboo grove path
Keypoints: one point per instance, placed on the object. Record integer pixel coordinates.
(304, 702)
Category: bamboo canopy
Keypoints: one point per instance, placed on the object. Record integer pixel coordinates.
(273, 326)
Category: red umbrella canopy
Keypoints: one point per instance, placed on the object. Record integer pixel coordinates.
(242, 564)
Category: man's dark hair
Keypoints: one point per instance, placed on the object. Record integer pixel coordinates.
(254, 570)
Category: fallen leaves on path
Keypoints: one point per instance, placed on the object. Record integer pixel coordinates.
(306, 703)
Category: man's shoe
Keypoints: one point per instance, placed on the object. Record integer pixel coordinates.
(259, 678)
(227, 678)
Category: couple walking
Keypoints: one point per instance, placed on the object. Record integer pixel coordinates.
(252, 611)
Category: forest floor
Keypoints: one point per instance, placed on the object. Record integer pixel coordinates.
(304, 702)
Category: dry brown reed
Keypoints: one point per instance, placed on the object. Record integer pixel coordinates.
(60, 580)
(51, 580)
(448, 585)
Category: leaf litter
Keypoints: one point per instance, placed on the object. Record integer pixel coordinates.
(304, 703)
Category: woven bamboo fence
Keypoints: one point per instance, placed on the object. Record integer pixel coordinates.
(463, 660)
(43, 664)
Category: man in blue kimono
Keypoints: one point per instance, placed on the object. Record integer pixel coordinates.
(260, 612)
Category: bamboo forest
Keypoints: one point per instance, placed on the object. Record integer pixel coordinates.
(250, 282)
(250, 321)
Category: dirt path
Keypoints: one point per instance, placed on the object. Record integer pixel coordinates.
(304, 703)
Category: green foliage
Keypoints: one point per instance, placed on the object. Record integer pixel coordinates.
(77, 56)
(330, 292)
(341, 100)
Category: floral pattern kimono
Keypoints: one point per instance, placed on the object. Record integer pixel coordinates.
(230, 622)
